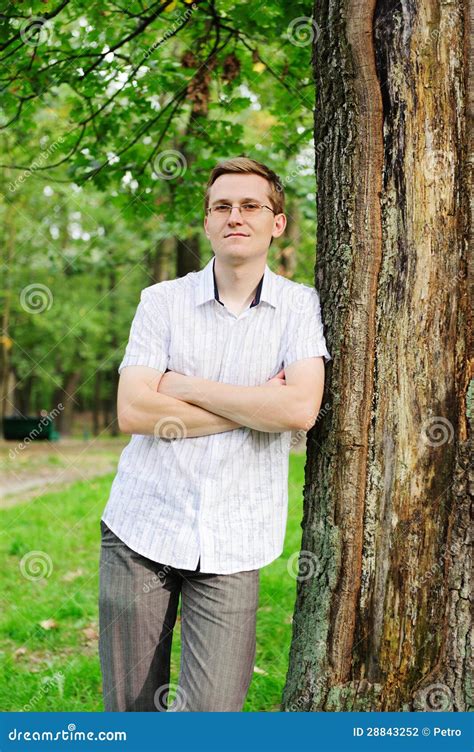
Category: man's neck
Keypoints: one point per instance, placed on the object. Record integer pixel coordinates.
(237, 284)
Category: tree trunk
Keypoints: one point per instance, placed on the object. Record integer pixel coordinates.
(109, 403)
(112, 376)
(287, 258)
(66, 396)
(382, 614)
(6, 342)
(161, 260)
(96, 401)
(188, 250)
(188, 255)
(23, 389)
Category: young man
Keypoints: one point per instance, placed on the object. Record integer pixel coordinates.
(220, 366)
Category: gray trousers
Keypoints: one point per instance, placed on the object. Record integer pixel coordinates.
(138, 604)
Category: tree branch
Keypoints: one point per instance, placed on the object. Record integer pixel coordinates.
(40, 20)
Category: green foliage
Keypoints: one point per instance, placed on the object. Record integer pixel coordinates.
(113, 117)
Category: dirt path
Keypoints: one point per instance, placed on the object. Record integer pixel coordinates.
(36, 468)
(41, 466)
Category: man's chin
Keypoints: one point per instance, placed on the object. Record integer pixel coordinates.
(235, 249)
(239, 251)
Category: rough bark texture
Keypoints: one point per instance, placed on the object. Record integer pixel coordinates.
(382, 616)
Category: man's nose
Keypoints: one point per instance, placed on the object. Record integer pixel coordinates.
(235, 216)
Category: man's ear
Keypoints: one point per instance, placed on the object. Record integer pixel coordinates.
(205, 226)
(280, 223)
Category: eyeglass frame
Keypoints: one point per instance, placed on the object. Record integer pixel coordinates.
(262, 206)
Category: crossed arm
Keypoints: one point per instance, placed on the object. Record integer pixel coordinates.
(151, 403)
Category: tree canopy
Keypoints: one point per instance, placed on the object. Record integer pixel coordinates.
(113, 115)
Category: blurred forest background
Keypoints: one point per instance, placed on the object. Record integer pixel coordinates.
(113, 115)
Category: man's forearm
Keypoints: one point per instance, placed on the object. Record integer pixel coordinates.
(158, 414)
(263, 408)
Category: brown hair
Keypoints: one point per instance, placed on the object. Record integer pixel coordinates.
(244, 164)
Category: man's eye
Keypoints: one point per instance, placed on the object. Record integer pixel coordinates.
(221, 207)
(250, 207)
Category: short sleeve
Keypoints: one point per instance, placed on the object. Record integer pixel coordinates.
(305, 331)
(148, 343)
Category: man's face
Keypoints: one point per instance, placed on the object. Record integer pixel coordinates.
(237, 235)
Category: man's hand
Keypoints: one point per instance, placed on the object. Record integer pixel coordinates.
(143, 409)
(261, 408)
(172, 383)
(278, 380)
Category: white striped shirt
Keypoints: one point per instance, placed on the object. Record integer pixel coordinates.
(223, 498)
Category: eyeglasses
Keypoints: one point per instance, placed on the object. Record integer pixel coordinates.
(246, 209)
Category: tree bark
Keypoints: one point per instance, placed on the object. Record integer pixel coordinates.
(382, 616)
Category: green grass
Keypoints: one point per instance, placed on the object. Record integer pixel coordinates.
(55, 667)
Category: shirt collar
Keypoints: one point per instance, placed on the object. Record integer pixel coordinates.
(207, 288)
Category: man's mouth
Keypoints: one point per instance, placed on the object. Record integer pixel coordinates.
(236, 235)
